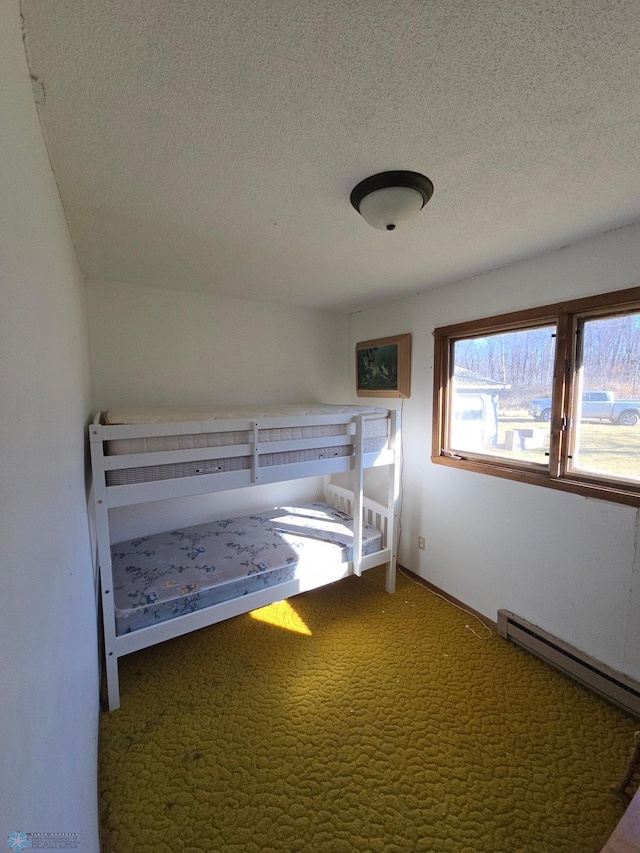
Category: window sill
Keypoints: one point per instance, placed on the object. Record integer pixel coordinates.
(569, 483)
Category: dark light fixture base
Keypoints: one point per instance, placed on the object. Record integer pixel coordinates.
(398, 178)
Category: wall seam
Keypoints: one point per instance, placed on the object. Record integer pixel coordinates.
(36, 79)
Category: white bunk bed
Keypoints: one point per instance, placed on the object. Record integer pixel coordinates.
(143, 455)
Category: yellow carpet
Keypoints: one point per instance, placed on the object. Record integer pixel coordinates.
(349, 720)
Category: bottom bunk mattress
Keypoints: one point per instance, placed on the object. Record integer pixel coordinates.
(169, 574)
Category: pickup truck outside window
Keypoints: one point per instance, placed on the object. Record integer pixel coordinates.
(548, 396)
(596, 405)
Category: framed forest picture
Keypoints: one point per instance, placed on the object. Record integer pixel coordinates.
(383, 367)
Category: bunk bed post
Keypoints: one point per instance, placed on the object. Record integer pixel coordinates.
(392, 500)
(255, 442)
(104, 562)
(358, 488)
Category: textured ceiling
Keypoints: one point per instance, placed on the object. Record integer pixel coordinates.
(212, 144)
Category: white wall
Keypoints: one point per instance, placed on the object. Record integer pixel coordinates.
(48, 663)
(566, 563)
(155, 347)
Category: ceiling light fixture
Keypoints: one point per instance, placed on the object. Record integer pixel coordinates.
(388, 200)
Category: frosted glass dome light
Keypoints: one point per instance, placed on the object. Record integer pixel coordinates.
(390, 199)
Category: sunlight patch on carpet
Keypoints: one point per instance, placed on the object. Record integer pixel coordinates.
(282, 614)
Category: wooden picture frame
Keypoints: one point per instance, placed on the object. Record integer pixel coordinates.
(383, 367)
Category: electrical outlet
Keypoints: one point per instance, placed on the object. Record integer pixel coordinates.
(421, 543)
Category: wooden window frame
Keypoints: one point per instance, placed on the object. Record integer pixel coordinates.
(567, 317)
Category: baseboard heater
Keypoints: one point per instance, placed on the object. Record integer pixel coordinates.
(592, 673)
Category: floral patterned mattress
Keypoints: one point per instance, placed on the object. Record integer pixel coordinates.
(168, 574)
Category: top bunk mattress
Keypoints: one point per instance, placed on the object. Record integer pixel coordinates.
(312, 426)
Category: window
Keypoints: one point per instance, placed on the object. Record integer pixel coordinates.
(548, 396)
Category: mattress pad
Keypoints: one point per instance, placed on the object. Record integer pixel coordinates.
(153, 415)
